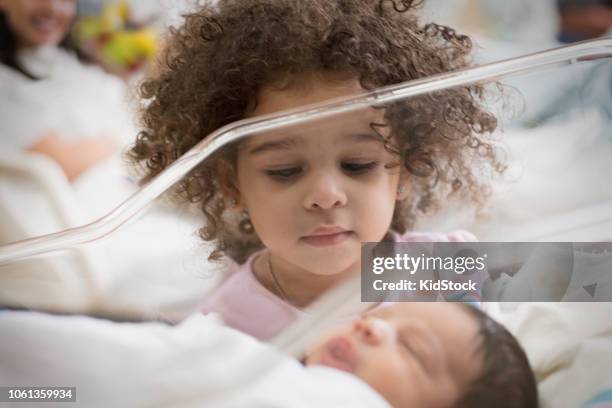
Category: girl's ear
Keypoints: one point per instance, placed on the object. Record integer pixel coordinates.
(228, 185)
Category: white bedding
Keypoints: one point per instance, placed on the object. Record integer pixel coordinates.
(556, 188)
(555, 170)
(197, 363)
(570, 347)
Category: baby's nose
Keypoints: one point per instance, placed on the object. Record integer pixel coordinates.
(373, 331)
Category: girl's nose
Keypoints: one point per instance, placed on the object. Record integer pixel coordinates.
(373, 331)
(325, 193)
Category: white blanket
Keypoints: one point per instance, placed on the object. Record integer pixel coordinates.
(197, 363)
(569, 346)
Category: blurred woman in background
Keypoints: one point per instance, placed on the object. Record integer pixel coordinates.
(50, 102)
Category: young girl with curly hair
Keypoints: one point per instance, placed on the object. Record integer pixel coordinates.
(292, 206)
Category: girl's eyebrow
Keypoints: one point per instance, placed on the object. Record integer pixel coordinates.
(292, 142)
(283, 144)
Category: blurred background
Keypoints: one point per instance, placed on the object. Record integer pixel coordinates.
(525, 21)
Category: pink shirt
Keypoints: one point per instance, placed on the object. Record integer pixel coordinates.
(246, 305)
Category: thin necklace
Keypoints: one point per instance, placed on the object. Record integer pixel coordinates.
(277, 284)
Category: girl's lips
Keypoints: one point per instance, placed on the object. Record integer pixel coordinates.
(326, 240)
(339, 353)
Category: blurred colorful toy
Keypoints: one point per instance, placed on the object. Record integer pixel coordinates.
(114, 40)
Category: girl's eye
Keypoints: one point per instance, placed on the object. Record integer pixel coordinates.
(284, 174)
(358, 168)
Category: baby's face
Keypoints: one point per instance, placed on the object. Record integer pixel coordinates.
(316, 191)
(413, 354)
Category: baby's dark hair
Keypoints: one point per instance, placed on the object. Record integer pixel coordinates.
(225, 52)
(506, 380)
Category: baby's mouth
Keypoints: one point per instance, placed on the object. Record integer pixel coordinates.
(339, 353)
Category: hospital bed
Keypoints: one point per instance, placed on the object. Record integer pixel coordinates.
(570, 345)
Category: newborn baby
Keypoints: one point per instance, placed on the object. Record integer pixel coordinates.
(432, 355)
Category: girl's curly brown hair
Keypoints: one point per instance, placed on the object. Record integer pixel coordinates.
(224, 53)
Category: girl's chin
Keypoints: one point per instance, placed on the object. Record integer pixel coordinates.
(331, 263)
(330, 272)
